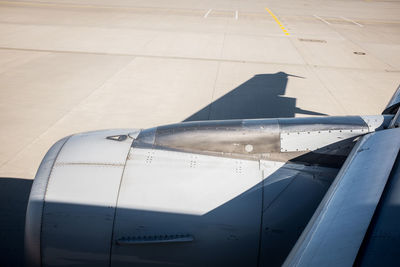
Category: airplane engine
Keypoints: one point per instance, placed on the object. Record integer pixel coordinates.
(218, 193)
(161, 196)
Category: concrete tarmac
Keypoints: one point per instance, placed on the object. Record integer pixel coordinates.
(70, 66)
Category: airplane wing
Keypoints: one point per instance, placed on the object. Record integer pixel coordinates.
(357, 221)
(336, 232)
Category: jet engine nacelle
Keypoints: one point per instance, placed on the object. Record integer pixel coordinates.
(162, 197)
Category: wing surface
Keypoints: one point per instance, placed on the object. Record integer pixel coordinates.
(336, 231)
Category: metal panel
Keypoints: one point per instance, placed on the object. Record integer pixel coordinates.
(381, 246)
(291, 195)
(255, 139)
(78, 215)
(34, 211)
(377, 122)
(215, 200)
(313, 140)
(247, 137)
(334, 234)
(395, 123)
(392, 106)
(321, 123)
(94, 147)
(80, 199)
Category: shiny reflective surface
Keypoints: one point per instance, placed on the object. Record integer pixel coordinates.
(269, 139)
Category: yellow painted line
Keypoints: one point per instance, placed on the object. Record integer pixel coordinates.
(277, 21)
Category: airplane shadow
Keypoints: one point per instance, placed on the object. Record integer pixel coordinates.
(14, 194)
(260, 97)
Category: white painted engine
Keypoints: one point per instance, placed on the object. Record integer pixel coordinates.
(163, 196)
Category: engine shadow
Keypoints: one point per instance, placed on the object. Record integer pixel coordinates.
(260, 97)
(14, 194)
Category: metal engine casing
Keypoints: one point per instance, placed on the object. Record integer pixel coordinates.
(111, 198)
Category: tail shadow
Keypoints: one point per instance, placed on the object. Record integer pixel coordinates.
(260, 97)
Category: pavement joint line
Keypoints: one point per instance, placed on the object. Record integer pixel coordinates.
(277, 21)
(275, 35)
(66, 113)
(70, 5)
(321, 19)
(47, 4)
(326, 87)
(208, 13)
(353, 42)
(190, 58)
(352, 21)
(85, 6)
(214, 89)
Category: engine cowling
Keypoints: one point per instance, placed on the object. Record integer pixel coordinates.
(123, 197)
